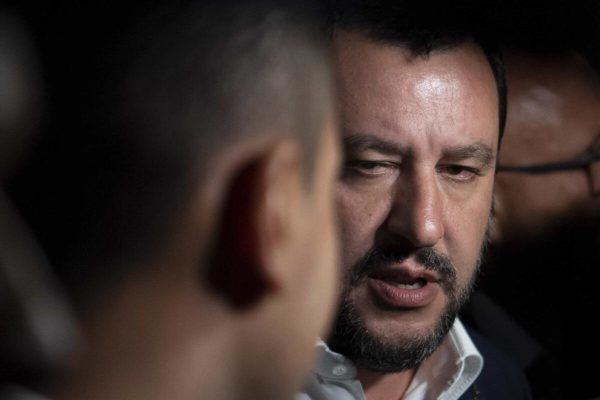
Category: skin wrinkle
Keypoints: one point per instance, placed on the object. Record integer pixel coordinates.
(354, 143)
(357, 142)
(478, 151)
(430, 92)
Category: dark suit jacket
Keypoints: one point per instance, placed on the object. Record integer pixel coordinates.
(500, 378)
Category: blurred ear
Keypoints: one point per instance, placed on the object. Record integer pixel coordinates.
(255, 229)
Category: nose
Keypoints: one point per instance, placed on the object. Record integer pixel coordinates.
(417, 211)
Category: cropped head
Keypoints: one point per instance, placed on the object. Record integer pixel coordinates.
(183, 194)
(550, 163)
(422, 111)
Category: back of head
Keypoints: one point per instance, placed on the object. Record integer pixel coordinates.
(548, 211)
(36, 333)
(163, 155)
(553, 120)
(142, 112)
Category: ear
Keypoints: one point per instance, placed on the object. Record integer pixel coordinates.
(254, 227)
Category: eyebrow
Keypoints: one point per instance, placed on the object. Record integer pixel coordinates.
(361, 142)
(478, 151)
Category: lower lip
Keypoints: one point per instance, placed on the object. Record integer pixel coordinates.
(395, 296)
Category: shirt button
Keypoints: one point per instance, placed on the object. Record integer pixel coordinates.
(339, 370)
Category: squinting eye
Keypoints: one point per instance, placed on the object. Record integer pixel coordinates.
(369, 168)
(461, 173)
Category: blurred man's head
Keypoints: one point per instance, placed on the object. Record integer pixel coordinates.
(548, 174)
(546, 245)
(422, 112)
(36, 332)
(183, 194)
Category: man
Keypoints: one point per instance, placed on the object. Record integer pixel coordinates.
(553, 118)
(422, 108)
(548, 219)
(183, 194)
(27, 347)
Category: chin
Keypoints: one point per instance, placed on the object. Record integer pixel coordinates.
(389, 341)
(404, 326)
(387, 349)
(411, 321)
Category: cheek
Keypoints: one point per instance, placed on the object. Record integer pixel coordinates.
(359, 217)
(321, 274)
(330, 246)
(466, 233)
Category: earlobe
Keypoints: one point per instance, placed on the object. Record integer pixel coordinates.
(252, 230)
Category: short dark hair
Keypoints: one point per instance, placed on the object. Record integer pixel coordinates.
(138, 116)
(423, 27)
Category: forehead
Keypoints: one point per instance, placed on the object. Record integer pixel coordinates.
(554, 107)
(447, 96)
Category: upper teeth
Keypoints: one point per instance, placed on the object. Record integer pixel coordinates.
(418, 284)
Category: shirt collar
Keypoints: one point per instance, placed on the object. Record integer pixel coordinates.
(450, 370)
(446, 374)
(332, 365)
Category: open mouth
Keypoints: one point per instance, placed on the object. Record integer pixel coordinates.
(417, 284)
(404, 278)
(402, 288)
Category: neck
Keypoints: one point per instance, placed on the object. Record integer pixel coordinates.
(154, 379)
(382, 386)
(153, 341)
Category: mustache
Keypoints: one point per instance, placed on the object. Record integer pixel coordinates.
(378, 258)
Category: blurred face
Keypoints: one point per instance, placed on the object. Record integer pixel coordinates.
(553, 116)
(322, 233)
(420, 141)
(315, 259)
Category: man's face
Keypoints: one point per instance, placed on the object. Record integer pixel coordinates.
(420, 142)
(553, 116)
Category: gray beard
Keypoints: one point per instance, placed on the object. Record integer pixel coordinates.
(351, 338)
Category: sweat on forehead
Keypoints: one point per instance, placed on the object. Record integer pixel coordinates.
(412, 26)
(385, 91)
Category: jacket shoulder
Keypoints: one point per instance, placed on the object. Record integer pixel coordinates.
(500, 378)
